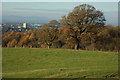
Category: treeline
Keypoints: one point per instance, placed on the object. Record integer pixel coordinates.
(83, 28)
(108, 39)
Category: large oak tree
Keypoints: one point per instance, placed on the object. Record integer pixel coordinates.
(83, 19)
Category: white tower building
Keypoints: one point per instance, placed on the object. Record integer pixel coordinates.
(24, 25)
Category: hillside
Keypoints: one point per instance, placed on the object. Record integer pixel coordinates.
(58, 63)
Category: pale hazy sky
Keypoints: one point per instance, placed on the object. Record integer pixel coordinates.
(43, 12)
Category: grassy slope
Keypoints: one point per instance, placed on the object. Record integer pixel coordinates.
(58, 63)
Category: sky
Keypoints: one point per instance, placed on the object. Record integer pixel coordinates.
(43, 12)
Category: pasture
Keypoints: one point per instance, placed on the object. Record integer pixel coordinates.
(58, 63)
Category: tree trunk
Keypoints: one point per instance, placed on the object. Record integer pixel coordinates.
(76, 46)
(48, 46)
(15, 46)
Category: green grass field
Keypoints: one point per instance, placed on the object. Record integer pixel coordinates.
(58, 63)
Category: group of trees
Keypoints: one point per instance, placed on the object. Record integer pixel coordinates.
(83, 28)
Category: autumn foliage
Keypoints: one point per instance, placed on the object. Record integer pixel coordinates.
(83, 28)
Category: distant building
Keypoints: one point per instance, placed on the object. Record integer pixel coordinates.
(24, 25)
(19, 26)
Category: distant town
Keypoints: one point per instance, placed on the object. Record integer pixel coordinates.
(21, 27)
